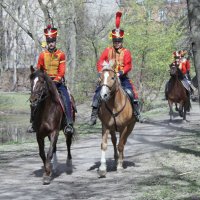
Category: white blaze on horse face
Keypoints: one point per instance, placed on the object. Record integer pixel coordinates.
(105, 90)
(35, 82)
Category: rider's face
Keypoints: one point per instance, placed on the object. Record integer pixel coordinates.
(117, 45)
(51, 44)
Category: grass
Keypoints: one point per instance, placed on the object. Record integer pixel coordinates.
(14, 102)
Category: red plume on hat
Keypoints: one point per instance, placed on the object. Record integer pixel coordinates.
(118, 18)
(50, 32)
(118, 33)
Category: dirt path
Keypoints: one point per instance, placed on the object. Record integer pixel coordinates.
(161, 162)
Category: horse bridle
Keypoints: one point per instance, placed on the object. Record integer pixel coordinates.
(111, 88)
(114, 115)
(41, 94)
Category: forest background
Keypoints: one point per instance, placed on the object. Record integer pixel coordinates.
(154, 29)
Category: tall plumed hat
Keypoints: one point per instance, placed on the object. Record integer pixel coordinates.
(50, 33)
(176, 54)
(117, 33)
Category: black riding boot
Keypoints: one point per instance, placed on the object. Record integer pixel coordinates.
(95, 107)
(166, 90)
(31, 128)
(69, 124)
(94, 114)
(135, 105)
(137, 110)
(68, 121)
(69, 128)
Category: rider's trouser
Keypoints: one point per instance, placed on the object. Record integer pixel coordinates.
(67, 102)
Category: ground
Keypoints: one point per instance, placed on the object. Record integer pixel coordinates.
(161, 162)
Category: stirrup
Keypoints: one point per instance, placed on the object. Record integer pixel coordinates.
(68, 130)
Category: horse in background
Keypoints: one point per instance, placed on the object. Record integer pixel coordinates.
(116, 115)
(176, 93)
(48, 119)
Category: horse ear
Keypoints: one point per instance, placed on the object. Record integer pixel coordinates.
(32, 69)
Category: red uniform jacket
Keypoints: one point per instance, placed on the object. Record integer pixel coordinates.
(53, 64)
(123, 59)
(183, 66)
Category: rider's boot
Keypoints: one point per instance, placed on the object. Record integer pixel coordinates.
(31, 128)
(136, 111)
(166, 90)
(94, 114)
(135, 105)
(95, 107)
(69, 129)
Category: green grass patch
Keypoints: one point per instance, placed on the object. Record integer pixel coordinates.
(14, 102)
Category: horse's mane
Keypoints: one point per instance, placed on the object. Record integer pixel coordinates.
(108, 65)
(50, 84)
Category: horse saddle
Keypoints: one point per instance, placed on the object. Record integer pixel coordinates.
(72, 102)
(186, 84)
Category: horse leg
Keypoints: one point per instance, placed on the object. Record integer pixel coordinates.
(181, 110)
(42, 151)
(176, 107)
(54, 160)
(102, 169)
(123, 138)
(170, 109)
(69, 142)
(184, 113)
(114, 142)
(48, 170)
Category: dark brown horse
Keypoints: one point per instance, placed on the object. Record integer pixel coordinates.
(176, 93)
(48, 120)
(116, 115)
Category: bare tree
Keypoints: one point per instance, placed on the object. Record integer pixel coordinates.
(2, 42)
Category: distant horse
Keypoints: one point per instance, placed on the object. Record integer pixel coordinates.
(48, 120)
(116, 115)
(176, 93)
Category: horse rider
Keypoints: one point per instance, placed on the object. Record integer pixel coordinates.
(53, 62)
(123, 65)
(176, 62)
(184, 66)
(186, 62)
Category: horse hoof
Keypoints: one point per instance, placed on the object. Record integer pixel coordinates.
(102, 173)
(46, 180)
(120, 168)
(69, 162)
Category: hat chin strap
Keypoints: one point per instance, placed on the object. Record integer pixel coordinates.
(116, 49)
(52, 50)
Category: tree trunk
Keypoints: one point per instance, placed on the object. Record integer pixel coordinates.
(2, 43)
(194, 21)
(72, 45)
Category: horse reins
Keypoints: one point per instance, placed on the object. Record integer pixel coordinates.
(114, 115)
(41, 95)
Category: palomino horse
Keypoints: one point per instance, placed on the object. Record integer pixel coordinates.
(48, 120)
(176, 93)
(116, 115)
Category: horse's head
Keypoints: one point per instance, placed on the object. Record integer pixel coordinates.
(173, 69)
(38, 86)
(108, 82)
